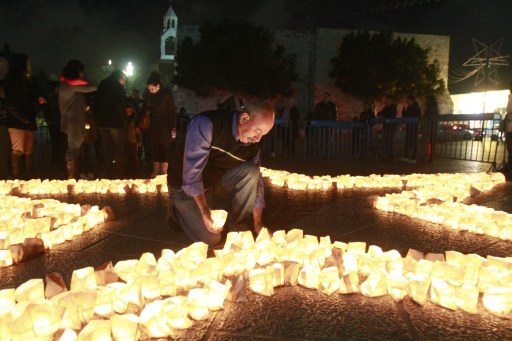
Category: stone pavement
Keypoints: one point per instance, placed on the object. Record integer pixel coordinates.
(297, 313)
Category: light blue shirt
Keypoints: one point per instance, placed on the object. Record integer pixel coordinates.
(198, 144)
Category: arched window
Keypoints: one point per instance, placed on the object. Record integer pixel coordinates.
(168, 23)
(170, 46)
(173, 23)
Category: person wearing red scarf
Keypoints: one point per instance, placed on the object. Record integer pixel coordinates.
(72, 104)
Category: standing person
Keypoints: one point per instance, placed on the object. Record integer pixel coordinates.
(412, 110)
(362, 136)
(387, 112)
(5, 140)
(162, 124)
(21, 113)
(290, 132)
(508, 128)
(219, 162)
(430, 125)
(326, 110)
(72, 105)
(58, 139)
(111, 110)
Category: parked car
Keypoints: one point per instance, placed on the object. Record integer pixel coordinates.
(454, 132)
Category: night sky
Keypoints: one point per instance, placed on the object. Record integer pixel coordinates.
(54, 31)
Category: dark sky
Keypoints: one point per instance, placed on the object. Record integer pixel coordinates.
(54, 31)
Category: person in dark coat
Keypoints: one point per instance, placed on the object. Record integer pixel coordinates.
(412, 110)
(388, 129)
(111, 111)
(21, 113)
(5, 140)
(162, 127)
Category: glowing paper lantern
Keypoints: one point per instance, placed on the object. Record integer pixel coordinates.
(198, 303)
(291, 273)
(83, 278)
(217, 293)
(105, 274)
(68, 335)
(418, 288)
(127, 270)
(31, 290)
(308, 277)
(45, 318)
(278, 276)
(96, 330)
(5, 258)
(219, 218)
(7, 300)
(397, 286)
(125, 327)
(498, 300)
(329, 280)
(167, 283)
(236, 285)
(467, 298)
(54, 285)
(71, 318)
(375, 284)
(103, 306)
(119, 294)
(176, 312)
(152, 321)
(443, 293)
(349, 283)
(150, 287)
(261, 281)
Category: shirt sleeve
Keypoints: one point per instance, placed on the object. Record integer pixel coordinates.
(197, 148)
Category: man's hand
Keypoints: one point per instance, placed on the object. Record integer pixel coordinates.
(257, 212)
(206, 214)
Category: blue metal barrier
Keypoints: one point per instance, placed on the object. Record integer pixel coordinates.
(469, 137)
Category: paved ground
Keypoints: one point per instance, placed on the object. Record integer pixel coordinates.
(296, 313)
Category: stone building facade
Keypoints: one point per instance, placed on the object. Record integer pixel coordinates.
(314, 51)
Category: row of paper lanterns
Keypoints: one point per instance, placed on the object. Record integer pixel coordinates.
(50, 220)
(100, 186)
(150, 298)
(459, 183)
(453, 215)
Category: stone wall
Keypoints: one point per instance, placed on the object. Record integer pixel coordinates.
(314, 51)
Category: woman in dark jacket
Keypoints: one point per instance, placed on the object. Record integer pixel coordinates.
(162, 128)
(21, 113)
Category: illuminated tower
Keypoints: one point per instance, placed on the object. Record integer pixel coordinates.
(168, 41)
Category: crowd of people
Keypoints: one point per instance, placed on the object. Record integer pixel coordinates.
(95, 131)
(99, 131)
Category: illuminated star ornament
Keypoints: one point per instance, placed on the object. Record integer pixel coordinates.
(486, 61)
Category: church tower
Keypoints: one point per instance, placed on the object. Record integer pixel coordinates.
(168, 39)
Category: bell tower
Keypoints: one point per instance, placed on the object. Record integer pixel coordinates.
(168, 39)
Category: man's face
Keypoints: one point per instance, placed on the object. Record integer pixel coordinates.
(153, 88)
(252, 129)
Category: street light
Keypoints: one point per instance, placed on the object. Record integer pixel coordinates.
(129, 69)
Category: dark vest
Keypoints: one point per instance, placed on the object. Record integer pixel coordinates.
(225, 153)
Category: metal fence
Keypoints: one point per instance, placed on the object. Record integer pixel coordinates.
(461, 137)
